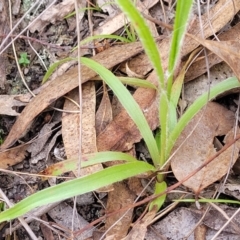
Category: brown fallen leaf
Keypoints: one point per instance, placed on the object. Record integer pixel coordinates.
(55, 13)
(70, 126)
(212, 121)
(12, 156)
(121, 133)
(199, 66)
(181, 222)
(9, 105)
(118, 223)
(104, 113)
(119, 21)
(228, 51)
(142, 66)
(140, 228)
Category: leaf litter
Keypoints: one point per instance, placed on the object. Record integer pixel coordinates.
(125, 138)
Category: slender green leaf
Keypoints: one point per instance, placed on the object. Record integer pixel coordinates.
(145, 36)
(76, 187)
(104, 36)
(204, 200)
(178, 82)
(137, 82)
(53, 67)
(218, 89)
(164, 117)
(180, 24)
(128, 103)
(87, 160)
(158, 202)
(83, 10)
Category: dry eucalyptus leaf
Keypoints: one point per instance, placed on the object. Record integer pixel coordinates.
(44, 135)
(140, 228)
(199, 66)
(4, 28)
(119, 21)
(12, 156)
(104, 112)
(212, 121)
(228, 51)
(8, 105)
(200, 85)
(119, 198)
(131, 73)
(71, 124)
(55, 13)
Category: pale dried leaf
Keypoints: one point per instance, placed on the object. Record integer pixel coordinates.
(8, 105)
(119, 21)
(55, 13)
(46, 149)
(131, 73)
(119, 198)
(44, 135)
(140, 228)
(71, 124)
(104, 112)
(4, 29)
(228, 51)
(107, 7)
(199, 66)
(214, 120)
(230, 189)
(200, 85)
(12, 156)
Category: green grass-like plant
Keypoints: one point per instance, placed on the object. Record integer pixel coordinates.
(161, 145)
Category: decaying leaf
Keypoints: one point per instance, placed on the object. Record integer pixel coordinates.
(44, 135)
(12, 156)
(228, 51)
(140, 228)
(8, 105)
(55, 13)
(121, 133)
(119, 228)
(199, 66)
(71, 124)
(198, 137)
(119, 21)
(104, 112)
(4, 28)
